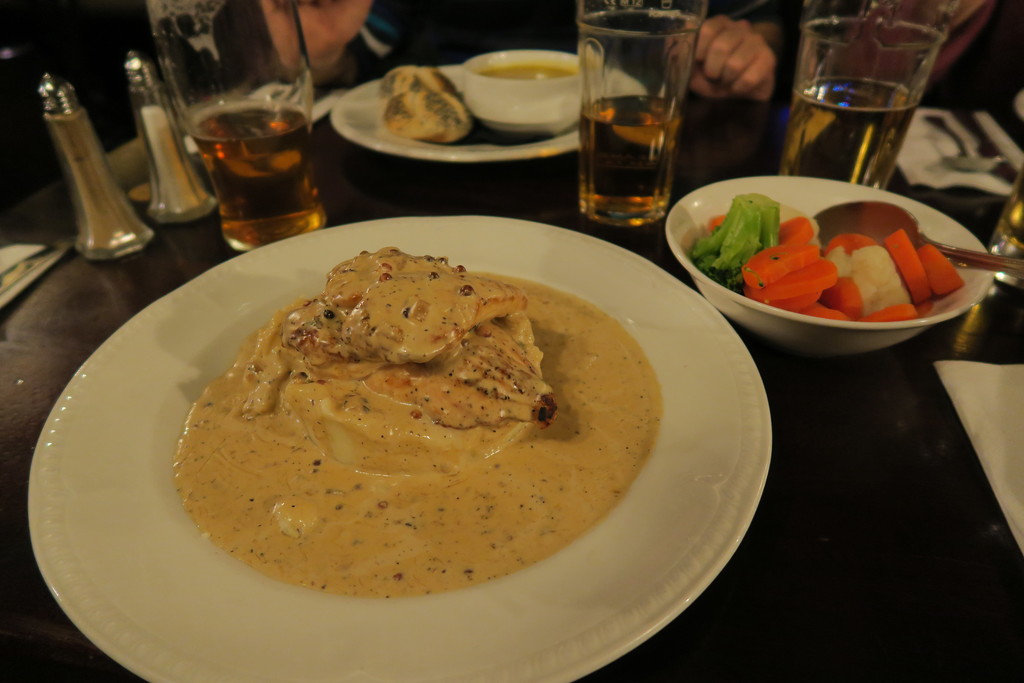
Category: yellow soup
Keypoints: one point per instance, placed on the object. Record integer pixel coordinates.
(529, 71)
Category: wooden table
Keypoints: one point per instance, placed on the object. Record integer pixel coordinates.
(878, 550)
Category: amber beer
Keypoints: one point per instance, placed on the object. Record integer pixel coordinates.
(861, 70)
(260, 163)
(1008, 237)
(635, 61)
(627, 154)
(847, 130)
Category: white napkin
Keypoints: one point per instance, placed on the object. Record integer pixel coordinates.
(16, 253)
(920, 158)
(18, 268)
(324, 104)
(11, 279)
(989, 399)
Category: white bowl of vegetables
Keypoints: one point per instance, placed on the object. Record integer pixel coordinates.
(809, 321)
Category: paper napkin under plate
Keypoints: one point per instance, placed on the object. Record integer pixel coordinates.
(920, 158)
(989, 399)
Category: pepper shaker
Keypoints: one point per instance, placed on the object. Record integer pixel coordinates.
(108, 226)
(177, 194)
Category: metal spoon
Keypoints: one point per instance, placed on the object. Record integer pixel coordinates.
(878, 220)
(966, 161)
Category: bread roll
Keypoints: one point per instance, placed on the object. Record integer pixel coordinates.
(421, 103)
(398, 80)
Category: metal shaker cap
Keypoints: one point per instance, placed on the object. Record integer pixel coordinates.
(140, 69)
(59, 97)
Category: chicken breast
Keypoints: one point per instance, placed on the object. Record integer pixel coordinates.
(457, 346)
(489, 381)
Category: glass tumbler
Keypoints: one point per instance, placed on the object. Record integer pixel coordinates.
(862, 67)
(1008, 237)
(635, 61)
(240, 81)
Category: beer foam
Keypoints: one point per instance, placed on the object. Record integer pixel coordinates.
(188, 20)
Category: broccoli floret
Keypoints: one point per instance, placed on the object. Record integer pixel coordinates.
(727, 277)
(751, 225)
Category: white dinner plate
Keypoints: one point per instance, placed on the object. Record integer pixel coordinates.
(356, 117)
(128, 566)
(1018, 104)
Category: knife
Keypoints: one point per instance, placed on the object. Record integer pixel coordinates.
(20, 275)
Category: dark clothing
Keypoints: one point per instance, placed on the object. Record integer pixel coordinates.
(989, 71)
(437, 32)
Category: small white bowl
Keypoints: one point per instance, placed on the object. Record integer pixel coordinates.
(521, 106)
(802, 334)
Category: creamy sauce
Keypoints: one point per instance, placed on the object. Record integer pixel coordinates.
(355, 495)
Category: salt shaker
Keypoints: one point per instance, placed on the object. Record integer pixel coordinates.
(177, 193)
(108, 226)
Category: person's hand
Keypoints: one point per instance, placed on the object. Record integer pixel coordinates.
(733, 60)
(327, 26)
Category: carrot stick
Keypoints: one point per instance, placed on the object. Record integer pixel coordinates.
(943, 276)
(816, 277)
(909, 265)
(844, 296)
(849, 242)
(891, 314)
(715, 222)
(796, 303)
(797, 230)
(772, 264)
(820, 311)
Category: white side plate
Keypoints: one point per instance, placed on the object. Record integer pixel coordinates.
(356, 117)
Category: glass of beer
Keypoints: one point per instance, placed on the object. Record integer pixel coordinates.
(1008, 237)
(241, 85)
(635, 61)
(861, 69)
